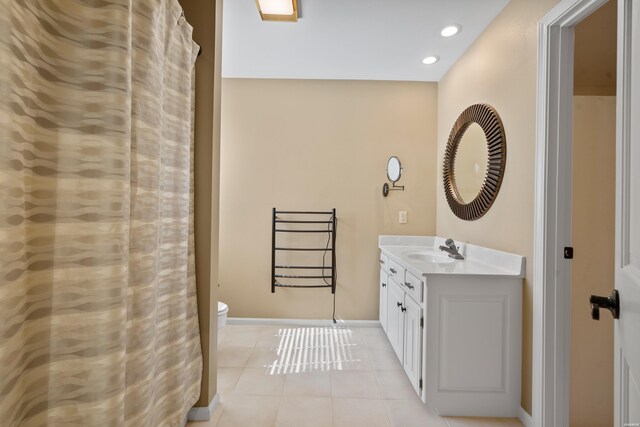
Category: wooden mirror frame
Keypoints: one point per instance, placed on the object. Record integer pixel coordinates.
(489, 120)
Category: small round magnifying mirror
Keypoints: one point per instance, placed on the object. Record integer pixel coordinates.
(394, 169)
(394, 173)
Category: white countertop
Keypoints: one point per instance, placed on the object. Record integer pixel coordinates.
(479, 261)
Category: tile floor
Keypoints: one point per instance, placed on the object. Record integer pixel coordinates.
(318, 377)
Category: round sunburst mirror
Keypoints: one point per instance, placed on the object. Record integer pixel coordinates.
(474, 162)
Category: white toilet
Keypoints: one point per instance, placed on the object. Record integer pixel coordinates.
(223, 309)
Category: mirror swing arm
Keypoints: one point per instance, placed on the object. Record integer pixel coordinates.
(394, 173)
(386, 188)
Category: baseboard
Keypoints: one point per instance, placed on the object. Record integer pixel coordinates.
(303, 322)
(204, 413)
(525, 418)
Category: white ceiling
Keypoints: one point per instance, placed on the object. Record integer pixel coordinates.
(351, 39)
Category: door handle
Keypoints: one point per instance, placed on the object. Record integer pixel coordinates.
(611, 303)
(408, 285)
(403, 308)
(384, 284)
(399, 304)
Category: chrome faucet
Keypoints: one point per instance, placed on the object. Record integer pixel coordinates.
(451, 249)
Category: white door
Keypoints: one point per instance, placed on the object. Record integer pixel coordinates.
(384, 277)
(627, 282)
(412, 341)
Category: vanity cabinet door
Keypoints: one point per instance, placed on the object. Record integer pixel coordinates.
(384, 263)
(395, 317)
(413, 341)
(384, 278)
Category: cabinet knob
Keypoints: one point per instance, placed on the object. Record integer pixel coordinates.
(381, 262)
(393, 270)
(384, 285)
(399, 304)
(408, 285)
(403, 308)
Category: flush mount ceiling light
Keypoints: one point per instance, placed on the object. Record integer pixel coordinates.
(450, 30)
(430, 60)
(278, 10)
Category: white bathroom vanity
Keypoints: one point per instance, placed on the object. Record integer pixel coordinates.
(455, 325)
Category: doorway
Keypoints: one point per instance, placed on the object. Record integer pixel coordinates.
(593, 217)
(575, 205)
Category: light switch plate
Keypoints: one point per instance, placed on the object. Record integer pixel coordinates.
(402, 217)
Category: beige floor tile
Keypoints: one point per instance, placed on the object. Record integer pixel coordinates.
(240, 338)
(250, 411)
(352, 375)
(258, 381)
(242, 328)
(378, 331)
(354, 384)
(385, 360)
(412, 413)
(316, 384)
(377, 342)
(305, 412)
(359, 413)
(227, 379)
(483, 422)
(217, 414)
(221, 334)
(233, 357)
(262, 358)
(352, 336)
(269, 337)
(355, 358)
(395, 385)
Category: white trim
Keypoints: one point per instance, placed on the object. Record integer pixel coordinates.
(525, 418)
(303, 322)
(552, 221)
(204, 413)
(623, 158)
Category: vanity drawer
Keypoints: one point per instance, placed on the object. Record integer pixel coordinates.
(396, 271)
(384, 262)
(414, 286)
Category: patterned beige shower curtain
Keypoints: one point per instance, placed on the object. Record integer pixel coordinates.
(98, 317)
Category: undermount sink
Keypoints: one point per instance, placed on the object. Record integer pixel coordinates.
(428, 256)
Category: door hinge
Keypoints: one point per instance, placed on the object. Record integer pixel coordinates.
(420, 383)
(568, 252)
(422, 322)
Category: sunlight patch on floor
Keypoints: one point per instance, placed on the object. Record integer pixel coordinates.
(307, 349)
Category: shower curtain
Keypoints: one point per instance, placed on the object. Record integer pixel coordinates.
(98, 316)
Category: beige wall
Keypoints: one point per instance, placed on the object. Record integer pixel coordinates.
(500, 69)
(595, 53)
(312, 144)
(592, 269)
(205, 17)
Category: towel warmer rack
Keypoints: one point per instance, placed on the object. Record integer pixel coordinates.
(288, 222)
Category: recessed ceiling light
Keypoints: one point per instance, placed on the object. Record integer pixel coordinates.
(278, 10)
(450, 30)
(430, 60)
